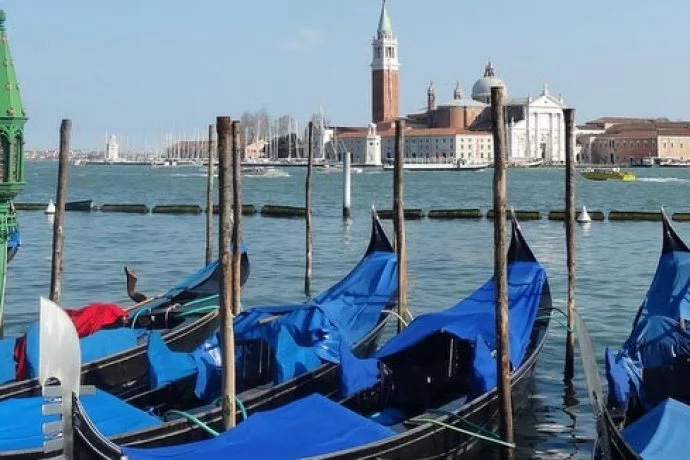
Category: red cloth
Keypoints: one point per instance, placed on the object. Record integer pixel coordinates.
(87, 320)
(95, 316)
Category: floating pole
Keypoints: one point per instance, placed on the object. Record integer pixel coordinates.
(505, 405)
(310, 160)
(59, 223)
(224, 128)
(569, 119)
(399, 220)
(346, 185)
(209, 198)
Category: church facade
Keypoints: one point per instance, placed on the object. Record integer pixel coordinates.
(457, 131)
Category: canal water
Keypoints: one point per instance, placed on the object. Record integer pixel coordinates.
(446, 259)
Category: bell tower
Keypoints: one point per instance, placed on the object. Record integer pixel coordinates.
(384, 71)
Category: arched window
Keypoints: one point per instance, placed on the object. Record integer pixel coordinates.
(4, 152)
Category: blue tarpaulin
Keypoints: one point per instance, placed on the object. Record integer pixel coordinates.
(304, 336)
(305, 428)
(22, 419)
(99, 345)
(473, 320)
(7, 363)
(657, 336)
(662, 433)
(166, 366)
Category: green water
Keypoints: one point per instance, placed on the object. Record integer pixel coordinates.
(447, 260)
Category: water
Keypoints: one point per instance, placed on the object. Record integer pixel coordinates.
(447, 260)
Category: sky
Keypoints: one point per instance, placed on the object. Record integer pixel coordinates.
(144, 68)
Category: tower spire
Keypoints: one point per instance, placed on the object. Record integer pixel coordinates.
(457, 94)
(385, 28)
(431, 97)
(489, 70)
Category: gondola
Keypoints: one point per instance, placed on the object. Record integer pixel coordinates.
(428, 393)
(275, 364)
(186, 315)
(645, 414)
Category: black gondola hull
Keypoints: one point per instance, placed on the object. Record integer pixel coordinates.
(325, 380)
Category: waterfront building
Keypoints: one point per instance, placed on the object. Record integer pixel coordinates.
(457, 131)
(638, 141)
(112, 149)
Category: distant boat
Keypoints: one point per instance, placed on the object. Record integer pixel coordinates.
(608, 174)
(583, 217)
(526, 163)
(50, 209)
(439, 166)
(673, 163)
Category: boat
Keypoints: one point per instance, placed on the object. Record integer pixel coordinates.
(645, 414)
(608, 174)
(272, 369)
(81, 205)
(673, 163)
(50, 208)
(116, 359)
(441, 166)
(14, 241)
(583, 217)
(423, 395)
(263, 171)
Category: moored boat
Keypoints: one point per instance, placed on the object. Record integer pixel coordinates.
(645, 414)
(608, 174)
(423, 395)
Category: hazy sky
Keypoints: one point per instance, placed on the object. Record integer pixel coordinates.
(142, 68)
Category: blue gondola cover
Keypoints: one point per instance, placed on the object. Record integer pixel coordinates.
(110, 415)
(305, 428)
(662, 433)
(473, 320)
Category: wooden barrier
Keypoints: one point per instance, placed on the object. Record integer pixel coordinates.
(410, 214)
(681, 217)
(274, 210)
(247, 209)
(521, 215)
(559, 214)
(654, 216)
(177, 209)
(455, 214)
(127, 208)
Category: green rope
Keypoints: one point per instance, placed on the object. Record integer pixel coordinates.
(139, 312)
(561, 323)
(203, 299)
(194, 311)
(481, 429)
(194, 420)
(238, 401)
(460, 430)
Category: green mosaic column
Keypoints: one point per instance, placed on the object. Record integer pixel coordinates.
(12, 119)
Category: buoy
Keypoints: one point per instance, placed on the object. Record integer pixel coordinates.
(584, 218)
(50, 209)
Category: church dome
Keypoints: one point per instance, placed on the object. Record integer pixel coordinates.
(481, 91)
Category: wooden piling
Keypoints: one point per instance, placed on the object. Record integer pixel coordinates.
(236, 217)
(399, 220)
(209, 198)
(501, 273)
(310, 161)
(569, 119)
(224, 130)
(346, 184)
(59, 223)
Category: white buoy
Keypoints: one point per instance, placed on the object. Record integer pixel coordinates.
(50, 209)
(584, 218)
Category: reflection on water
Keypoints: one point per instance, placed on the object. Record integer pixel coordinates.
(446, 259)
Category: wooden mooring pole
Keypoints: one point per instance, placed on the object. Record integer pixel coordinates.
(505, 406)
(307, 204)
(224, 130)
(346, 184)
(59, 222)
(399, 220)
(209, 198)
(236, 217)
(569, 118)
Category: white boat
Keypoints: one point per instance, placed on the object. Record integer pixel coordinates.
(50, 209)
(410, 166)
(583, 217)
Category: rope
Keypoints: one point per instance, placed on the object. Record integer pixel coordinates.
(139, 312)
(561, 323)
(194, 420)
(238, 401)
(460, 430)
(394, 313)
(480, 428)
(199, 310)
(203, 299)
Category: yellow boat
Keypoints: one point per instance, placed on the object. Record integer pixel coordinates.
(608, 174)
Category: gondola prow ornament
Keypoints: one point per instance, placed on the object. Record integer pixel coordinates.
(60, 375)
